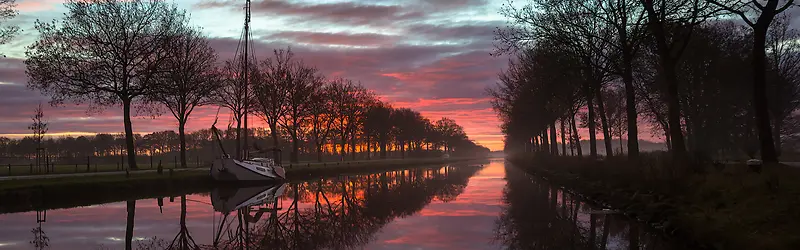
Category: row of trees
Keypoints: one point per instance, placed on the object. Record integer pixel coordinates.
(407, 134)
(681, 66)
(144, 56)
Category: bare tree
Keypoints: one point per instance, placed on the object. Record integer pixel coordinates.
(671, 24)
(377, 123)
(783, 85)
(321, 118)
(616, 111)
(231, 95)
(303, 82)
(7, 11)
(355, 113)
(39, 125)
(271, 88)
(39, 129)
(763, 14)
(191, 82)
(104, 52)
(343, 99)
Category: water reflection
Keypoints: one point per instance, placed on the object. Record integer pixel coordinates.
(339, 213)
(454, 207)
(537, 215)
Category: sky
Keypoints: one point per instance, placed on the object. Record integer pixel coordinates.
(429, 55)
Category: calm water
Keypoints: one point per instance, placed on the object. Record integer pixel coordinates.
(449, 207)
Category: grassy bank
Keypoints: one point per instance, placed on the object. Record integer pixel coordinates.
(64, 192)
(727, 208)
(27, 195)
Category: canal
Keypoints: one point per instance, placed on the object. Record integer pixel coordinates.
(457, 206)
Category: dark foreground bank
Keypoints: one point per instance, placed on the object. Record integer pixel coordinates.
(727, 207)
(54, 193)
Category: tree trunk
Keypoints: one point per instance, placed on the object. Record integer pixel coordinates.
(592, 125)
(343, 144)
(668, 65)
(601, 109)
(563, 139)
(403, 150)
(382, 142)
(182, 137)
(777, 133)
(273, 130)
(238, 138)
(294, 158)
(353, 146)
(768, 153)
(630, 106)
(553, 140)
(319, 152)
(131, 207)
(369, 156)
(577, 137)
(126, 108)
(673, 113)
(545, 141)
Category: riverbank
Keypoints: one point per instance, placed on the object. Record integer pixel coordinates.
(61, 192)
(728, 208)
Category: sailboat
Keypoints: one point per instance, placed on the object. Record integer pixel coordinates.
(247, 169)
(228, 169)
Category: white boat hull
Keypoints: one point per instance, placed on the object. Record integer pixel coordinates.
(230, 170)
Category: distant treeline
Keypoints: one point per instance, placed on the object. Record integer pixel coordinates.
(712, 87)
(407, 135)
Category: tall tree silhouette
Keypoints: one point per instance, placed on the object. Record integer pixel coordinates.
(671, 25)
(231, 95)
(759, 17)
(192, 81)
(303, 82)
(377, 123)
(321, 118)
(123, 46)
(270, 90)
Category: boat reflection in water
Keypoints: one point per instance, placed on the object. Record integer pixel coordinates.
(338, 213)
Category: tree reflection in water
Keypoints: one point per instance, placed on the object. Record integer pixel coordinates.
(339, 213)
(539, 216)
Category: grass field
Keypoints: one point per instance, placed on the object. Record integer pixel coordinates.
(724, 207)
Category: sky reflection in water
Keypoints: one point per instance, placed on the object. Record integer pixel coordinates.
(457, 207)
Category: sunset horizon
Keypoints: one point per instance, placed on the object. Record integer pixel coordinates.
(407, 54)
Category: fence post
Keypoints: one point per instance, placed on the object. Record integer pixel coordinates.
(31, 170)
(197, 161)
(151, 160)
(160, 169)
(88, 163)
(9, 169)
(117, 166)
(76, 167)
(122, 161)
(174, 162)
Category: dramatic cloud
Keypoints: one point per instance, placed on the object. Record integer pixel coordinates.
(429, 55)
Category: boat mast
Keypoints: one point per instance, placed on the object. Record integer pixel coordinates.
(245, 71)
